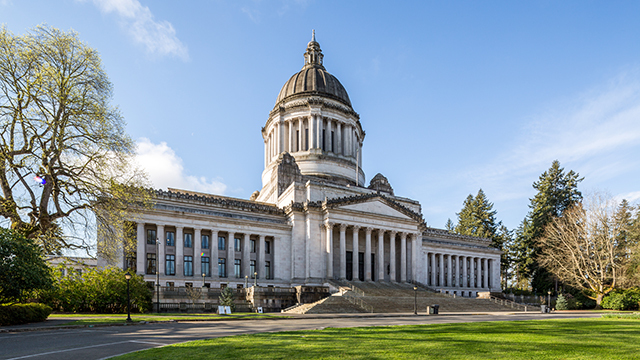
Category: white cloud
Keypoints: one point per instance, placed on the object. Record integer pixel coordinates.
(599, 130)
(165, 169)
(159, 37)
(630, 197)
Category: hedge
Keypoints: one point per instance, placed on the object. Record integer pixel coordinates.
(16, 314)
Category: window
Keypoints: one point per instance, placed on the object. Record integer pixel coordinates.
(222, 267)
(324, 140)
(170, 265)
(206, 270)
(205, 241)
(237, 266)
(171, 238)
(188, 265)
(297, 140)
(222, 243)
(151, 263)
(151, 236)
(236, 244)
(333, 141)
(188, 285)
(170, 285)
(188, 240)
(252, 244)
(252, 268)
(267, 247)
(306, 139)
(267, 270)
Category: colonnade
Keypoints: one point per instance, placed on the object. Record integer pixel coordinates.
(459, 271)
(177, 244)
(311, 132)
(405, 260)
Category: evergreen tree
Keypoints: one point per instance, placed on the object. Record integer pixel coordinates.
(557, 192)
(450, 226)
(477, 217)
(226, 298)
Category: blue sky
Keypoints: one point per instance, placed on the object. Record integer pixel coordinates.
(454, 96)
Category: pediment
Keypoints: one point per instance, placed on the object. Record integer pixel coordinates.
(374, 206)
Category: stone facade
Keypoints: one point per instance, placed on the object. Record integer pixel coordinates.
(313, 220)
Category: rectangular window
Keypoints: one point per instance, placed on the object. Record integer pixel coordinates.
(151, 236)
(267, 247)
(324, 140)
(333, 142)
(205, 241)
(252, 268)
(306, 139)
(170, 265)
(297, 140)
(222, 267)
(170, 285)
(267, 270)
(252, 244)
(188, 240)
(171, 238)
(222, 243)
(188, 265)
(206, 269)
(151, 263)
(237, 268)
(236, 245)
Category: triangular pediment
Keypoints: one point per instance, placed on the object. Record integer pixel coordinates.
(374, 206)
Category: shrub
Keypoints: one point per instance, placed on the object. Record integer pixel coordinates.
(562, 303)
(16, 314)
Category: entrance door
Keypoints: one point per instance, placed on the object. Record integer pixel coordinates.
(349, 265)
(361, 266)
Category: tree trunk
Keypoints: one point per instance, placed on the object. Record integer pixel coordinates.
(598, 301)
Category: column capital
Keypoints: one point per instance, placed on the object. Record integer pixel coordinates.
(369, 230)
(356, 227)
(343, 227)
(403, 235)
(329, 224)
(393, 233)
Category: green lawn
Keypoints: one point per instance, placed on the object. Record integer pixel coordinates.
(536, 339)
(98, 319)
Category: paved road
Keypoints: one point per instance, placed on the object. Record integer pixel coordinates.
(104, 342)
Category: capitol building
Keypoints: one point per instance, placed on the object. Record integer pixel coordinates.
(314, 220)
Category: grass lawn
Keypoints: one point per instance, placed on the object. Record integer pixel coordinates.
(535, 339)
(97, 319)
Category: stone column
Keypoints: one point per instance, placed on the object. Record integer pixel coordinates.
(403, 257)
(416, 250)
(246, 256)
(449, 271)
(290, 136)
(329, 251)
(179, 251)
(456, 283)
(197, 252)
(343, 251)
(478, 273)
(432, 261)
(312, 138)
(328, 141)
(347, 139)
(260, 263)
(367, 254)
(266, 154)
(231, 255)
(161, 244)
(214, 253)
(380, 255)
(339, 138)
(355, 261)
(441, 268)
(300, 144)
(472, 277)
(464, 282)
(319, 131)
(392, 256)
(140, 253)
(281, 136)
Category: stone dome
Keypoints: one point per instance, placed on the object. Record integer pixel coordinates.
(313, 79)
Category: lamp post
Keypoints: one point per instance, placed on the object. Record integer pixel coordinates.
(415, 300)
(255, 279)
(246, 281)
(157, 277)
(549, 300)
(203, 275)
(127, 276)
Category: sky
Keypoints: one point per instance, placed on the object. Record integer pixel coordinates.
(453, 96)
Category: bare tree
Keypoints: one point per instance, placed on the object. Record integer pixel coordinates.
(63, 149)
(582, 247)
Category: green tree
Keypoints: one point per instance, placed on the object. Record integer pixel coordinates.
(63, 150)
(226, 298)
(450, 226)
(477, 217)
(22, 267)
(557, 191)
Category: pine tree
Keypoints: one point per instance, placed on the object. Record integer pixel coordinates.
(477, 217)
(226, 298)
(450, 226)
(557, 192)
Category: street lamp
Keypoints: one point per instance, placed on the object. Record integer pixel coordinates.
(246, 281)
(203, 275)
(157, 277)
(255, 279)
(549, 301)
(128, 277)
(415, 300)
